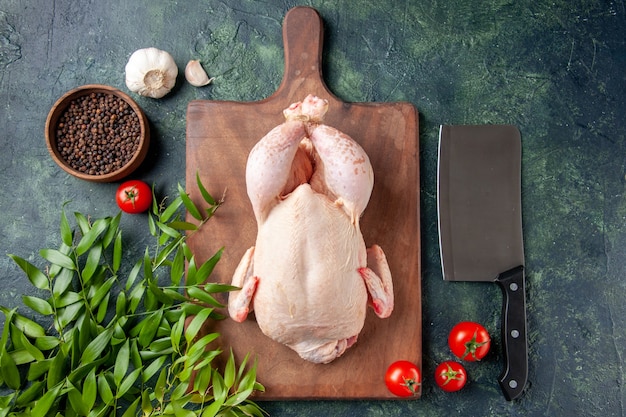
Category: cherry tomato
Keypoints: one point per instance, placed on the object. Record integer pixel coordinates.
(469, 341)
(134, 196)
(403, 378)
(450, 376)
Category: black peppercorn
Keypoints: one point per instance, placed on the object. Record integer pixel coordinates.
(98, 134)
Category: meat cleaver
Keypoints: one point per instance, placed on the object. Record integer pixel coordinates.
(480, 227)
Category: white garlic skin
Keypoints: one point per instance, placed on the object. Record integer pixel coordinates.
(151, 72)
(195, 74)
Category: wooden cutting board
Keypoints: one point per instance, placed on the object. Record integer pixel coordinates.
(220, 134)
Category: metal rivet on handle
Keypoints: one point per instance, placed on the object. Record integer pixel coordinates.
(513, 383)
(514, 334)
(513, 287)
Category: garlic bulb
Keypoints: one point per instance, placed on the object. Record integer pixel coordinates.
(196, 75)
(151, 72)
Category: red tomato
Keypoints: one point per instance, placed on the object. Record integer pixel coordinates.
(403, 379)
(469, 341)
(450, 376)
(134, 196)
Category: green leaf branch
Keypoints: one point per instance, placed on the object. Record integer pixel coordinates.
(124, 340)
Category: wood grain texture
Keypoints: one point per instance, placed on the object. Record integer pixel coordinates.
(220, 134)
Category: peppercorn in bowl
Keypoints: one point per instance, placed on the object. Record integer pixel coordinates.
(97, 133)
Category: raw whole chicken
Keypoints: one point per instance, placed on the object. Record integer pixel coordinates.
(309, 276)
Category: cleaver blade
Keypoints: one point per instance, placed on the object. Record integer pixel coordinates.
(480, 227)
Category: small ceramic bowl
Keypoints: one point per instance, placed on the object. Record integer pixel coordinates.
(97, 133)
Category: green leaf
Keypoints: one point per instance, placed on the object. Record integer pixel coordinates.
(9, 314)
(56, 371)
(202, 380)
(8, 370)
(212, 287)
(131, 411)
(154, 367)
(113, 231)
(54, 270)
(76, 401)
(189, 205)
(36, 277)
(19, 339)
(191, 272)
(58, 258)
(92, 262)
(21, 356)
(103, 308)
(120, 305)
(179, 225)
(29, 327)
(68, 314)
(90, 390)
(170, 231)
(5, 403)
(88, 239)
(62, 282)
(97, 346)
(82, 222)
(229, 371)
(179, 411)
(102, 291)
(201, 295)
(163, 298)
(196, 324)
(127, 383)
(32, 393)
(104, 390)
(37, 304)
(220, 393)
(198, 348)
(44, 404)
(99, 410)
(177, 270)
(151, 225)
(46, 343)
(146, 404)
(134, 273)
(249, 379)
(147, 266)
(161, 385)
(212, 409)
(78, 373)
(66, 231)
(207, 267)
(177, 332)
(171, 209)
(67, 299)
(38, 368)
(164, 253)
(161, 344)
(239, 397)
(207, 358)
(150, 302)
(121, 363)
(149, 328)
(117, 253)
(205, 194)
(251, 409)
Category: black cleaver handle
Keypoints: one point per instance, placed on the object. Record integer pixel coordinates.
(515, 374)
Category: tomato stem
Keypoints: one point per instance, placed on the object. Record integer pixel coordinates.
(131, 195)
(450, 374)
(472, 345)
(412, 385)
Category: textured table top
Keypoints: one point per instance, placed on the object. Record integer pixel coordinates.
(556, 69)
